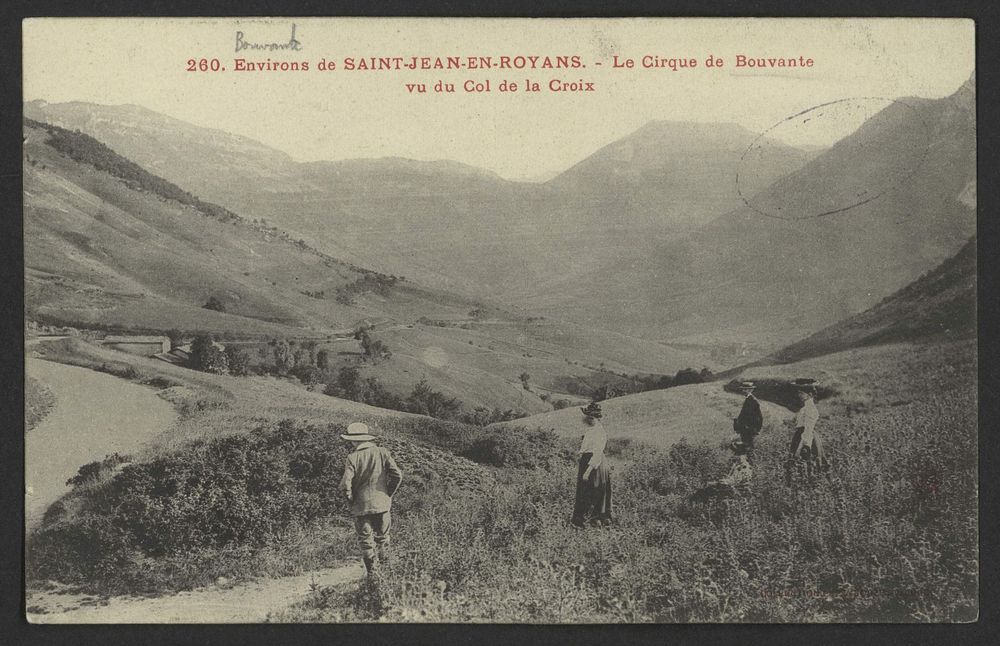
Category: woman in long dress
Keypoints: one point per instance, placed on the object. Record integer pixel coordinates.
(593, 480)
(806, 442)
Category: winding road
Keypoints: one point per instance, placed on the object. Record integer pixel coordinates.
(95, 415)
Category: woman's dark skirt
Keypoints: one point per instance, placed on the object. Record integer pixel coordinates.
(593, 495)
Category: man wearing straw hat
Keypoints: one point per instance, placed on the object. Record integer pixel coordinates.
(371, 478)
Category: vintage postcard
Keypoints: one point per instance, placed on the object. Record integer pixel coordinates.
(500, 320)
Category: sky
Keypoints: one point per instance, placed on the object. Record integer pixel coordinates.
(343, 114)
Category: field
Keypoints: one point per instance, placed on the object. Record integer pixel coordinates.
(890, 535)
(659, 418)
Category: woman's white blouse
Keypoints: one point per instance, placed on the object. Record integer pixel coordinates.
(594, 441)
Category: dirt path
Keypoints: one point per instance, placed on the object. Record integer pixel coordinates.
(94, 415)
(247, 603)
(97, 414)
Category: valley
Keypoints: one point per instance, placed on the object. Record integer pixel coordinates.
(467, 318)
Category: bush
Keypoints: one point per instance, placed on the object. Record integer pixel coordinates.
(779, 391)
(38, 401)
(238, 360)
(349, 384)
(520, 447)
(427, 401)
(223, 507)
(93, 472)
(207, 356)
(214, 304)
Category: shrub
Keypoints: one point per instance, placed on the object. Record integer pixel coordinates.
(207, 356)
(38, 400)
(520, 447)
(214, 304)
(427, 401)
(238, 360)
(780, 391)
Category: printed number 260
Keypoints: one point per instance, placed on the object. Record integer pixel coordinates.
(203, 65)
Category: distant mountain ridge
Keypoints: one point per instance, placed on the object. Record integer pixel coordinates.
(443, 223)
(614, 242)
(747, 275)
(673, 172)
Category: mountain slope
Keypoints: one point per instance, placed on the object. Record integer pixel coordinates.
(940, 305)
(442, 223)
(747, 275)
(109, 245)
(671, 173)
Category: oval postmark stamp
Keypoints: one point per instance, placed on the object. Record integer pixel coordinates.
(884, 143)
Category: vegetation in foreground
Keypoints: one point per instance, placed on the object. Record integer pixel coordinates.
(244, 505)
(890, 536)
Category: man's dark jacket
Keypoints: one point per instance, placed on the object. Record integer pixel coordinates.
(750, 419)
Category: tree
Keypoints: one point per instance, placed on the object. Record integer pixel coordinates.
(687, 376)
(284, 360)
(427, 401)
(207, 357)
(524, 380)
(373, 349)
(348, 384)
(215, 304)
(323, 360)
(239, 360)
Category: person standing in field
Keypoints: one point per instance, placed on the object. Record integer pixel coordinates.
(593, 480)
(806, 443)
(371, 479)
(750, 420)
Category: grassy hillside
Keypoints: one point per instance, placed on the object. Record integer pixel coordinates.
(750, 276)
(110, 249)
(110, 246)
(446, 224)
(673, 172)
(890, 536)
(941, 304)
(660, 418)
(242, 486)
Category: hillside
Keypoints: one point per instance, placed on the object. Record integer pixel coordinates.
(940, 305)
(109, 245)
(697, 412)
(442, 223)
(609, 244)
(761, 277)
(668, 173)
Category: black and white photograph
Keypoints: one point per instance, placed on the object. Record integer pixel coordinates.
(497, 320)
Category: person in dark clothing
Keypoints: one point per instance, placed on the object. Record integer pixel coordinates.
(750, 420)
(593, 478)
